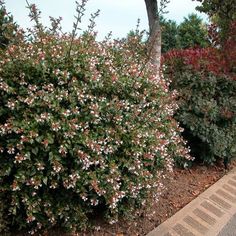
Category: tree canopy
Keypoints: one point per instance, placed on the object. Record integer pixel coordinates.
(223, 13)
(192, 32)
(7, 26)
(169, 34)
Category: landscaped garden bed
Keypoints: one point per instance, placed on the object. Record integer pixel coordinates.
(95, 141)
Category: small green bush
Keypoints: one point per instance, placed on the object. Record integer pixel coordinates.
(84, 126)
(207, 100)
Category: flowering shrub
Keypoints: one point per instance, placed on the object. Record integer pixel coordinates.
(84, 126)
(206, 85)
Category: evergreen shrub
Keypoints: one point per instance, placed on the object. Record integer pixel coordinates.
(207, 99)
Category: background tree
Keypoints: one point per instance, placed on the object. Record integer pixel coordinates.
(7, 26)
(192, 32)
(169, 31)
(223, 28)
(223, 13)
(155, 30)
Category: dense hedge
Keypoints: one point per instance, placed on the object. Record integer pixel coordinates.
(207, 96)
(84, 126)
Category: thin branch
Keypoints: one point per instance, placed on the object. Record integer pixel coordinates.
(80, 9)
(35, 15)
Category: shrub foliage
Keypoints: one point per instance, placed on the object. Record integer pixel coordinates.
(207, 95)
(84, 125)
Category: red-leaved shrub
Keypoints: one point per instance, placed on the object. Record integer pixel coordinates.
(206, 82)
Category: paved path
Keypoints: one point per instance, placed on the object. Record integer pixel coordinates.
(212, 213)
(230, 228)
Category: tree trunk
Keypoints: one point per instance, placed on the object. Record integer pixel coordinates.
(154, 44)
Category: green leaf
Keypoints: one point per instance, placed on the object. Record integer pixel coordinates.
(45, 180)
(35, 150)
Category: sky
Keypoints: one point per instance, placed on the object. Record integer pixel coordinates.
(118, 16)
